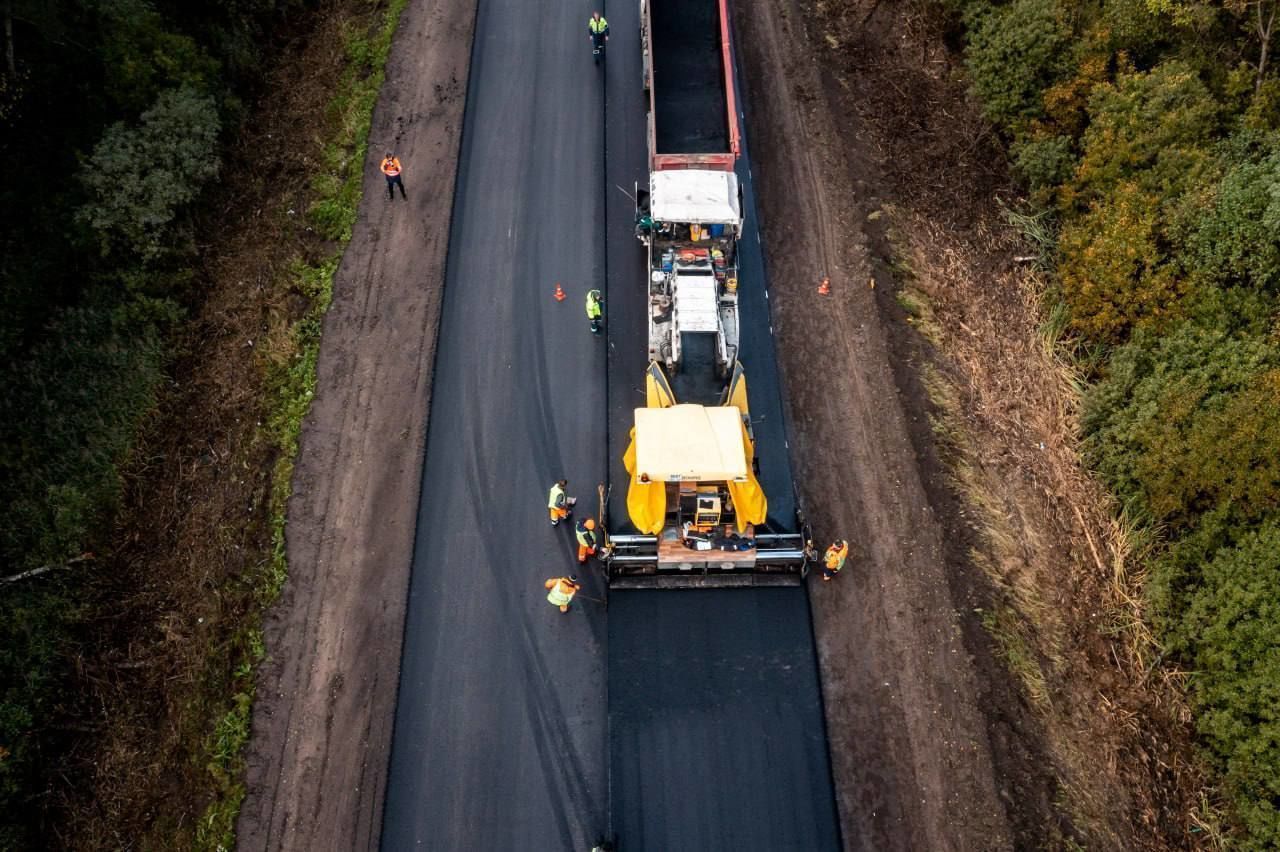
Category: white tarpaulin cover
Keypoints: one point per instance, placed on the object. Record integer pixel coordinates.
(697, 196)
(690, 442)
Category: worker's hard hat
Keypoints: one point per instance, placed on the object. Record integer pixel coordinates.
(589, 524)
(573, 578)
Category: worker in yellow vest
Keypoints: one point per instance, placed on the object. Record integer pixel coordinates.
(833, 559)
(560, 591)
(595, 310)
(597, 30)
(559, 504)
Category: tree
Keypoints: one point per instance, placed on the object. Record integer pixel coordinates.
(1153, 128)
(1116, 273)
(142, 56)
(1186, 424)
(1015, 52)
(1259, 17)
(139, 177)
(1237, 239)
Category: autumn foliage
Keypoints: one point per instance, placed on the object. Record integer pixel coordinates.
(1150, 129)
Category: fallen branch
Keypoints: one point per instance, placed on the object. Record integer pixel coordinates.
(45, 569)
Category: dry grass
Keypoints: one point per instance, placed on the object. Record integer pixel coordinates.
(1065, 563)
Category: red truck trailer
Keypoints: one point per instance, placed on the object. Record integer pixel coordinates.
(688, 82)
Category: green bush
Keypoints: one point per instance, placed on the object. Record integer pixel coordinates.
(1116, 273)
(69, 417)
(1230, 636)
(1045, 163)
(1014, 53)
(33, 645)
(1153, 128)
(139, 177)
(1237, 240)
(1186, 423)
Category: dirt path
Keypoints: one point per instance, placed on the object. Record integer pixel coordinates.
(322, 721)
(909, 743)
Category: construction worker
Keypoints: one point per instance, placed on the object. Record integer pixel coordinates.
(833, 559)
(587, 543)
(391, 168)
(560, 591)
(595, 310)
(559, 504)
(598, 29)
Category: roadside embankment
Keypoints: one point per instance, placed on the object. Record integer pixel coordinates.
(984, 663)
(326, 694)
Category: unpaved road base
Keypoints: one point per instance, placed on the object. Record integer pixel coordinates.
(909, 748)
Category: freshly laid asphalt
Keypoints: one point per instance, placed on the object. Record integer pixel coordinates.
(676, 719)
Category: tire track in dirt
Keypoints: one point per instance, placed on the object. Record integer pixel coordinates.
(334, 638)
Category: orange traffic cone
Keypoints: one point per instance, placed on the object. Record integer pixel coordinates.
(559, 293)
(824, 289)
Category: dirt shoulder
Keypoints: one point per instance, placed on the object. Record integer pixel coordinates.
(981, 659)
(909, 747)
(326, 696)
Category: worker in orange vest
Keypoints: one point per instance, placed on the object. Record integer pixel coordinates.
(585, 531)
(560, 591)
(391, 168)
(833, 559)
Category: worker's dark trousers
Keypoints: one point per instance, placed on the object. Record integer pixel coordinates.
(392, 183)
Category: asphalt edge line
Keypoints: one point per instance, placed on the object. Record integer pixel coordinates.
(787, 418)
(608, 469)
(426, 425)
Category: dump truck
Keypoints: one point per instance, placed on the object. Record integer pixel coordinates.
(694, 496)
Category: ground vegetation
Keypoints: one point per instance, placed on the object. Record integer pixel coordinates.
(162, 299)
(1148, 133)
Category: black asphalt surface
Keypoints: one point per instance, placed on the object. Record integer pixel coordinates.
(700, 709)
(500, 734)
(688, 77)
(717, 737)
